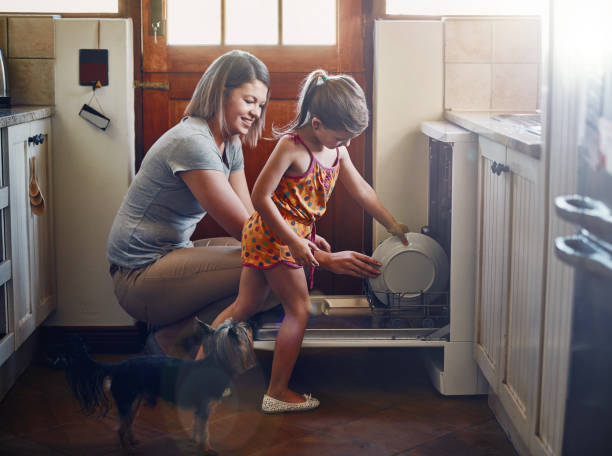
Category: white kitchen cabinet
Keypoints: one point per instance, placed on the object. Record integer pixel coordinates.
(7, 334)
(31, 291)
(492, 234)
(509, 281)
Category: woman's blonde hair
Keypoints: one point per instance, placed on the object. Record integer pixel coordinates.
(226, 73)
(337, 101)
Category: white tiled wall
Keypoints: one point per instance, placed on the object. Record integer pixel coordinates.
(492, 64)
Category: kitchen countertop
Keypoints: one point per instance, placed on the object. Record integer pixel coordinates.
(20, 114)
(505, 132)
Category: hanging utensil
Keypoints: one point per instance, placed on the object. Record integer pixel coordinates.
(37, 201)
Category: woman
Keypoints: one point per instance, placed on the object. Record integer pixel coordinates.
(197, 168)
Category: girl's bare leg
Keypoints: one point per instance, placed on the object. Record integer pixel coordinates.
(289, 285)
(252, 293)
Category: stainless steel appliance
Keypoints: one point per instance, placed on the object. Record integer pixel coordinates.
(588, 411)
(5, 100)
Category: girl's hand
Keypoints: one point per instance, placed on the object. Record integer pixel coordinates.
(399, 229)
(322, 243)
(301, 250)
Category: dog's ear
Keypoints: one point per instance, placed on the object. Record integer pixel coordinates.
(206, 328)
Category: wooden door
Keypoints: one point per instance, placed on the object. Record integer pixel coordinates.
(180, 67)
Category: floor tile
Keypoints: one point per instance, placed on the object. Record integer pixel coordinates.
(455, 411)
(18, 446)
(165, 445)
(321, 444)
(393, 429)
(487, 439)
(91, 436)
(24, 411)
(248, 432)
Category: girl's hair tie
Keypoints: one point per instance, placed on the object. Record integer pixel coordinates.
(325, 78)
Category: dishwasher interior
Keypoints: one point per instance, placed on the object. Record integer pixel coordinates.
(363, 318)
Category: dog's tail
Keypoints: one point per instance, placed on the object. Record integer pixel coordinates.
(86, 377)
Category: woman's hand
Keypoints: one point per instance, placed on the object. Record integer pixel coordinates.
(301, 250)
(399, 230)
(348, 262)
(322, 243)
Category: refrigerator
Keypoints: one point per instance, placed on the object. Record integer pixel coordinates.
(579, 37)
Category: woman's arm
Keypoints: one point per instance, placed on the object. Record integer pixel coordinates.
(215, 194)
(280, 160)
(237, 180)
(366, 197)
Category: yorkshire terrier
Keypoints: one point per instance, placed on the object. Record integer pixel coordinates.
(196, 385)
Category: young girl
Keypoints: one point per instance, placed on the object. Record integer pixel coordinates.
(290, 194)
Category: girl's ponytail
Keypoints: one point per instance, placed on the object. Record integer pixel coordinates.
(337, 101)
(309, 87)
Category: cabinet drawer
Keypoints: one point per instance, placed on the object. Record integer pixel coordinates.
(492, 150)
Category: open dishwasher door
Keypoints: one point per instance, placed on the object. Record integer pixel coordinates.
(352, 321)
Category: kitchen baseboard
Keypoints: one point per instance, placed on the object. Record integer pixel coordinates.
(99, 339)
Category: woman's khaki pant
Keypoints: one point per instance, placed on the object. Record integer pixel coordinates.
(201, 280)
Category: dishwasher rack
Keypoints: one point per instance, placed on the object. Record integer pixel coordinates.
(415, 309)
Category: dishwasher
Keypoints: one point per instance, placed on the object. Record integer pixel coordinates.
(440, 322)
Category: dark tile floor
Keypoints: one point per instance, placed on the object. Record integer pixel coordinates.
(373, 402)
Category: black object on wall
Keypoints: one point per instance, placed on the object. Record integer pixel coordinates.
(93, 67)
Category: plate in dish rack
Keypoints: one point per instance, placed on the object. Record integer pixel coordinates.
(407, 271)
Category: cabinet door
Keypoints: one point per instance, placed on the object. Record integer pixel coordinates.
(40, 225)
(7, 335)
(522, 314)
(19, 208)
(492, 253)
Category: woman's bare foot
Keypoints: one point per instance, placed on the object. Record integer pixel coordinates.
(175, 340)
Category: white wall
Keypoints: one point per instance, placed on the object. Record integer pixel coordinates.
(408, 89)
(92, 170)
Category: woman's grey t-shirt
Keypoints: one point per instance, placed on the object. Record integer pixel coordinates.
(159, 213)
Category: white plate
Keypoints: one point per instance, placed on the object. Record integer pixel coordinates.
(409, 270)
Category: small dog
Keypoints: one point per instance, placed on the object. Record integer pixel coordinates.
(196, 385)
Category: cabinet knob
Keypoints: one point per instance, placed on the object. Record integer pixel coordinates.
(498, 168)
(36, 139)
(502, 169)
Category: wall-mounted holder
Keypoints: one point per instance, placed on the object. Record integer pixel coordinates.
(91, 114)
(94, 116)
